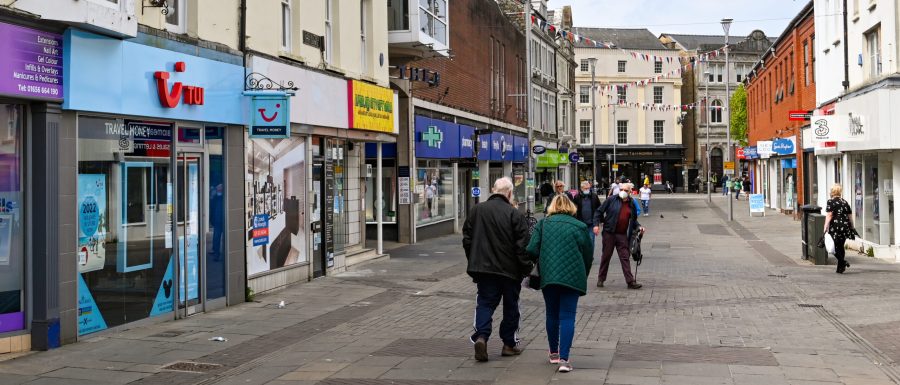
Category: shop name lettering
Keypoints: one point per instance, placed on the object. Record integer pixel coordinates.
(137, 131)
(856, 126)
(370, 103)
(192, 95)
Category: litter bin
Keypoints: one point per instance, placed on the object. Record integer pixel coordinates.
(814, 229)
(804, 233)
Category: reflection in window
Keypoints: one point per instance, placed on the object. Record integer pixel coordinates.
(12, 259)
(434, 191)
(433, 19)
(398, 15)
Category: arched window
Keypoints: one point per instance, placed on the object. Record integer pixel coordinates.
(715, 112)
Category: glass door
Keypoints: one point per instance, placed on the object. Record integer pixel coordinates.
(190, 229)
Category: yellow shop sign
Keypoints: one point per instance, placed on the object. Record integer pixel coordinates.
(371, 107)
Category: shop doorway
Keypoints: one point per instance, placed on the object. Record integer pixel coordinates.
(317, 222)
(190, 229)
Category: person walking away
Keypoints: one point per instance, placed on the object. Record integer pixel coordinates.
(645, 198)
(495, 235)
(617, 218)
(565, 254)
(839, 224)
(546, 192)
(747, 187)
(725, 186)
(738, 186)
(586, 203)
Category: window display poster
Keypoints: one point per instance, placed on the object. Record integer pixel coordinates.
(164, 303)
(260, 229)
(91, 222)
(89, 318)
(5, 241)
(190, 267)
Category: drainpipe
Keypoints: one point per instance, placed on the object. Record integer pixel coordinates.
(242, 39)
(846, 82)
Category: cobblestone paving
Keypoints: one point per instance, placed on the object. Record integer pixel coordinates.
(721, 304)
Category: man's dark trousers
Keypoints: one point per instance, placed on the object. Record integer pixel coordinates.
(619, 243)
(491, 290)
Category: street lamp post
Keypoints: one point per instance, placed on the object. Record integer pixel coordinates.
(593, 176)
(708, 158)
(726, 25)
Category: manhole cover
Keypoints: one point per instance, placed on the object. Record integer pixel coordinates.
(169, 334)
(809, 305)
(198, 367)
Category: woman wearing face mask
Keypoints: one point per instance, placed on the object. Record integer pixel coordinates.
(586, 203)
(617, 218)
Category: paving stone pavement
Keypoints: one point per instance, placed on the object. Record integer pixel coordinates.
(723, 303)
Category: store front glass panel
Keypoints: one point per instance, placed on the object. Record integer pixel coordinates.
(215, 254)
(124, 220)
(337, 151)
(871, 200)
(518, 178)
(276, 174)
(434, 191)
(389, 193)
(12, 257)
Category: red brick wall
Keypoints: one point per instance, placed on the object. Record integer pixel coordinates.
(466, 78)
(768, 119)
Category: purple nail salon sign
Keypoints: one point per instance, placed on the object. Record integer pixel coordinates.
(31, 64)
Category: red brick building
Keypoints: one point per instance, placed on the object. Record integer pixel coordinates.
(782, 81)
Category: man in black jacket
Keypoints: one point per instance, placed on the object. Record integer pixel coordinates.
(586, 203)
(618, 219)
(495, 235)
(546, 193)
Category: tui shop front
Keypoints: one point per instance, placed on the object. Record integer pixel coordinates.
(152, 152)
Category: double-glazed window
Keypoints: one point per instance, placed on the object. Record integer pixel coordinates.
(657, 95)
(175, 19)
(622, 132)
(584, 94)
(584, 131)
(658, 131)
(873, 51)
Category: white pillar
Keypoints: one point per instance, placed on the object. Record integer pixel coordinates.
(455, 196)
(379, 200)
(896, 185)
(484, 183)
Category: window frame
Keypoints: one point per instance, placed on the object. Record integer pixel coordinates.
(621, 66)
(582, 95)
(363, 39)
(621, 136)
(584, 65)
(657, 67)
(286, 25)
(584, 136)
(180, 8)
(621, 94)
(329, 32)
(658, 94)
(715, 112)
(659, 132)
(873, 52)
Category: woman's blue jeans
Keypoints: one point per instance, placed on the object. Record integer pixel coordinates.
(561, 304)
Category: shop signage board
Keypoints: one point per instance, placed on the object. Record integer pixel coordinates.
(751, 153)
(538, 149)
(757, 204)
(764, 148)
(740, 153)
(436, 139)
(549, 159)
(270, 115)
(260, 229)
(476, 192)
(729, 168)
(122, 77)
(799, 115)
(370, 107)
(32, 63)
(784, 146)
(573, 157)
(520, 149)
(838, 128)
(615, 167)
(467, 141)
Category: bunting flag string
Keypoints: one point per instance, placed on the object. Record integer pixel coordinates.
(655, 107)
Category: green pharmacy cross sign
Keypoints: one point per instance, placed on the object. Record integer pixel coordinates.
(433, 137)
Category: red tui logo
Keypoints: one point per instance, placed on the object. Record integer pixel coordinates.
(190, 94)
(262, 112)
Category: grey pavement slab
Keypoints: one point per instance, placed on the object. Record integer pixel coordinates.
(720, 305)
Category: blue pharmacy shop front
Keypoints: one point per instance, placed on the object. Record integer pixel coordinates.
(154, 153)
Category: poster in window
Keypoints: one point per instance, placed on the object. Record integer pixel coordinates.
(5, 235)
(91, 222)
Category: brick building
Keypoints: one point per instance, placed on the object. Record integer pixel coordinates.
(783, 80)
(445, 98)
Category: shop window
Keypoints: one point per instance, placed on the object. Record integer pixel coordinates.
(216, 272)
(12, 256)
(389, 191)
(434, 191)
(276, 196)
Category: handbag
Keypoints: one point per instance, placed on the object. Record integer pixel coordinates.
(635, 248)
(534, 277)
(821, 243)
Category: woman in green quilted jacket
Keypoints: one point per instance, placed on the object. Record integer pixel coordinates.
(565, 253)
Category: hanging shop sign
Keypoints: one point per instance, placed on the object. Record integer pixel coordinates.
(573, 157)
(270, 113)
(785, 146)
(838, 128)
(538, 149)
(370, 107)
(32, 62)
(740, 153)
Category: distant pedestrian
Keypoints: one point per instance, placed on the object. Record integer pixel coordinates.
(669, 188)
(565, 254)
(546, 192)
(699, 182)
(618, 220)
(646, 179)
(839, 224)
(586, 203)
(645, 198)
(715, 181)
(495, 235)
(747, 186)
(615, 187)
(738, 185)
(559, 188)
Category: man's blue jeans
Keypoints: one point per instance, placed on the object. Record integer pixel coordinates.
(590, 232)
(491, 290)
(561, 303)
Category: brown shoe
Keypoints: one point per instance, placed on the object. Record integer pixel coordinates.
(599, 283)
(510, 351)
(481, 354)
(635, 286)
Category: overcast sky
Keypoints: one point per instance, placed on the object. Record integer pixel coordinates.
(685, 16)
